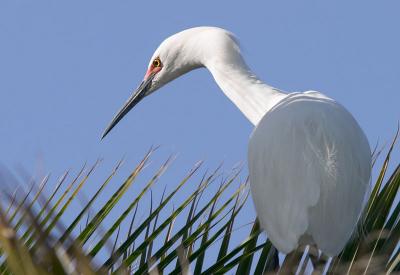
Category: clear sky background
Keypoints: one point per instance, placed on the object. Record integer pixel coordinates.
(66, 67)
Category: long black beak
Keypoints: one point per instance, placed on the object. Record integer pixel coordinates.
(137, 96)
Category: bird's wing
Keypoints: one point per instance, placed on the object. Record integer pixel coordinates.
(309, 165)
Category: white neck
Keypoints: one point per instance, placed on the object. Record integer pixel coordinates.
(253, 97)
(218, 51)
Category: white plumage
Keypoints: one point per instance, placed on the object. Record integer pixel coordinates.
(309, 167)
(309, 161)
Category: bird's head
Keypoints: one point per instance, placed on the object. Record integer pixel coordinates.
(176, 55)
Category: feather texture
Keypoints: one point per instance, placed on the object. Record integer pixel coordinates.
(309, 165)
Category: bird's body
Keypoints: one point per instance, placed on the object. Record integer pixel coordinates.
(309, 165)
(309, 161)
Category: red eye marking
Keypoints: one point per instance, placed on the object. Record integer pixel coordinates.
(155, 67)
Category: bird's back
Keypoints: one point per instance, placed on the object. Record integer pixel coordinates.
(309, 165)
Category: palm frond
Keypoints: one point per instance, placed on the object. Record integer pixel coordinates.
(198, 235)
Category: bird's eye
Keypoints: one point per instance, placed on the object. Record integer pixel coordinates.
(157, 62)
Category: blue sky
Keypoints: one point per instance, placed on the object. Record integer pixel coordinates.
(67, 67)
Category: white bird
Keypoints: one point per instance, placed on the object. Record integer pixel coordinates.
(309, 161)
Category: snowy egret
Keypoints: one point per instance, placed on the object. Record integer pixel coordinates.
(309, 161)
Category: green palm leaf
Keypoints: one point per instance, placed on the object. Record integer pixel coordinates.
(198, 234)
